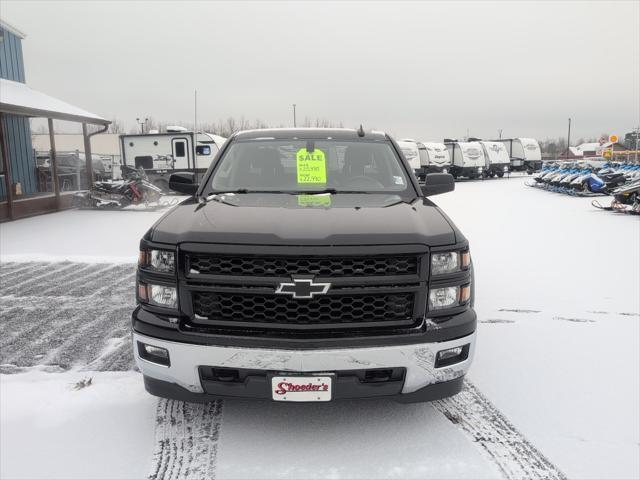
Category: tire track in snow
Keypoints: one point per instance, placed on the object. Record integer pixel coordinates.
(186, 440)
(74, 314)
(514, 455)
(66, 314)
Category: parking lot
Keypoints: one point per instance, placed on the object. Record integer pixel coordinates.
(551, 331)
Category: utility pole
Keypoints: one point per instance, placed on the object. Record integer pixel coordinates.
(195, 132)
(142, 123)
(499, 133)
(637, 132)
(294, 115)
(568, 139)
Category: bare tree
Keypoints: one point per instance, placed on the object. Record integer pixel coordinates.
(229, 126)
(150, 124)
(116, 126)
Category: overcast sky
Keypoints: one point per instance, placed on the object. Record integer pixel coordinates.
(425, 70)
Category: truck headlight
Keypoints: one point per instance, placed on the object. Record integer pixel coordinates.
(163, 261)
(448, 297)
(445, 262)
(159, 295)
(449, 262)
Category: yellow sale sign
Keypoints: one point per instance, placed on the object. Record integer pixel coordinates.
(311, 166)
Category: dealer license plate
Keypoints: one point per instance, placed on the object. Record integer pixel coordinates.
(294, 388)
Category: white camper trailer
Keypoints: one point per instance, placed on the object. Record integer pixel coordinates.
(525, 153)
(411, 152)
(467, 158)
(161, 154)
(497, 158)
(438, 158)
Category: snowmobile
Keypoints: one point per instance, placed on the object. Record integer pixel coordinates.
(548, 169)
(603, 182)
(626, 199)
(134, 190)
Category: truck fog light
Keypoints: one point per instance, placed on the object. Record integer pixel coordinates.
(154, 354)
(444, 262)
(446, 297)
(163, 296)
(451, 356)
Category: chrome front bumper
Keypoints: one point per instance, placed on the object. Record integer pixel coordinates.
(418, 360)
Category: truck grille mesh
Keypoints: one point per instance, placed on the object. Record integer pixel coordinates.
(274, 310)
(275, 266)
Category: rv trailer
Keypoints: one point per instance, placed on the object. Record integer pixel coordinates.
(438, 158)
(497, 158)
(467, 158)
(162, 154)
(414, 155)
(525, 153)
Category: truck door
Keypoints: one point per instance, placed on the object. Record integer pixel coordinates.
(180, 152)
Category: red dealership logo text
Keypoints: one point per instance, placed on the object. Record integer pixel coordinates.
(286, 387)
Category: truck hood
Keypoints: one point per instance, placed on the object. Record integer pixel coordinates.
(284, 219)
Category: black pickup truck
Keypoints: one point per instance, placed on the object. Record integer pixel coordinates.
(308, 265)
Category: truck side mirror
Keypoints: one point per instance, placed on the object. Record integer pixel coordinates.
(437, 183)
(183, 182)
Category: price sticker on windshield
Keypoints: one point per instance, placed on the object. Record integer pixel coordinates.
(314, 200)
(311, 166)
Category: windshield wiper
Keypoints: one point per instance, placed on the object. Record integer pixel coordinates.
(246, 190)
(332, 191)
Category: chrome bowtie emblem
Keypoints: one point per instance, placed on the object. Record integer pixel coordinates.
(303, 288)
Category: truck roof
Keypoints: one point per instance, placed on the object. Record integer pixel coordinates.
(310, 133)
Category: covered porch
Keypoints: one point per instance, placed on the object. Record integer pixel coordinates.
(30, 185)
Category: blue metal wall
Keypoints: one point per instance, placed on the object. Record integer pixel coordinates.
(23, 163)
(17, 129)
(11, 62)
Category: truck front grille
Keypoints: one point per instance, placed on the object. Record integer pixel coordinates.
(328, 311)
(372, 290)
(282, 266)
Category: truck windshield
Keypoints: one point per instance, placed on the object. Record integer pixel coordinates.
(293, 166)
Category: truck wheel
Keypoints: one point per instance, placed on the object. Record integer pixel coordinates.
(500, 174)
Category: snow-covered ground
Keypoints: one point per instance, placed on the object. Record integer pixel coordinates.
(558, 287)
(92, 236)
(556, 371)
(50, 430)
